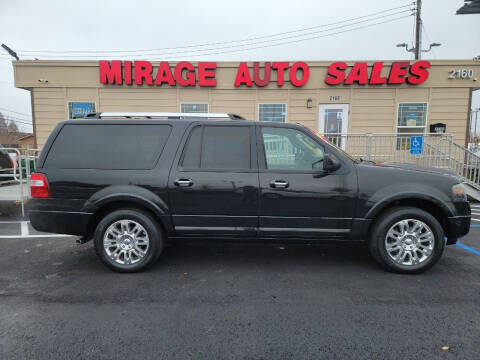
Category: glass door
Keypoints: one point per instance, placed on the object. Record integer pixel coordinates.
(333, 123)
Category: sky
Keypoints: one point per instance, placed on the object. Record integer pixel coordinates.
(125, 25)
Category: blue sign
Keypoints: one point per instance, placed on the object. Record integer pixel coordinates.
(416, 145)
(78, 110)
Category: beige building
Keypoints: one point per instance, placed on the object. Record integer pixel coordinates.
(330, 97)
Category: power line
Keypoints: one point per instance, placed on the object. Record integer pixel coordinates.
(428, 39)
(16, 112)
(292, 41)
(241, 46)
(14, 118)
(18, 121)
(212, 43)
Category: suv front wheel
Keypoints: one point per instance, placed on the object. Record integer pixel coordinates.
(128, 240)
(406, 240)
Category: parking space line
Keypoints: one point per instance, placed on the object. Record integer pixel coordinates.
(24, 228)
(25, 232)
(468, 248)
(33, 236)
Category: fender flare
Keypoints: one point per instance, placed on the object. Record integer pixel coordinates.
(385, 202)
(131, 193)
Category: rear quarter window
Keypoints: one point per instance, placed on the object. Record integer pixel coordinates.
(119, 147)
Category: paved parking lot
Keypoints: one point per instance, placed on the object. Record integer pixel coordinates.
(234, 302)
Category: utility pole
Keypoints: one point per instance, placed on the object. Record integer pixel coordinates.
(416, 48)
(418, 30)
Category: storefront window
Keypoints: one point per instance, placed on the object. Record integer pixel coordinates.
(412, 119)
(272, 112)
(193, 108)
(78, 110)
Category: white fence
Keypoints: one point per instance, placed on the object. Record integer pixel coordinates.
(439, 151)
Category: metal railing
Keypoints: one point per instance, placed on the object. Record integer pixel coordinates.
(13, 180)
(438, 150)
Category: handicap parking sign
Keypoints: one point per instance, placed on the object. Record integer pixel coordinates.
(416, 144)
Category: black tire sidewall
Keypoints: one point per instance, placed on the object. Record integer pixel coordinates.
(154, 234)
(395, 215)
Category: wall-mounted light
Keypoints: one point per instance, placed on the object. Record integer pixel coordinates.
(309, 103)
(43, 80)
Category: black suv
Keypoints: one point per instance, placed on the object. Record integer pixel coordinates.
(134, 182)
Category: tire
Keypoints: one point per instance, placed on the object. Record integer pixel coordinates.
(392, 219)
(125, 230)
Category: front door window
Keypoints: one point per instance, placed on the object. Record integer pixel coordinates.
(290, 149)
(333, 123)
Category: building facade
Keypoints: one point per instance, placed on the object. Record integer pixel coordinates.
(378, 97)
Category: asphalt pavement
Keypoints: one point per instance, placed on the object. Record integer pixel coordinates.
(230, 301)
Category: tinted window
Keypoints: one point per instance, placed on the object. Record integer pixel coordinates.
(222, 147)
(290, 149)
(191, 156)
(108, 146)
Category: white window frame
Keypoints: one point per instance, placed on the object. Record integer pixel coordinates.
(73, 101)
(195, 103)
(411, 127)
(273, 103)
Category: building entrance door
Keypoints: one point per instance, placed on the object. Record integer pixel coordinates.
(333, 123)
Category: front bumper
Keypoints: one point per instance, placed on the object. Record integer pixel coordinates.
(458, 226)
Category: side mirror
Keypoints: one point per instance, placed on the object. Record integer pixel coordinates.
(330, 164)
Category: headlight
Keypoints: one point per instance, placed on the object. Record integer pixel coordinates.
(458, 193)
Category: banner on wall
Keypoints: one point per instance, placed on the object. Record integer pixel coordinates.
(78, 110)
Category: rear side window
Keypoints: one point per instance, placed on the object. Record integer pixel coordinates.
(101, 146)
(218, 147)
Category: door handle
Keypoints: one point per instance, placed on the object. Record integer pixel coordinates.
(183, 182)
(279, 184)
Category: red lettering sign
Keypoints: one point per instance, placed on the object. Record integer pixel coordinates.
(280, 67)
(164, 75)
(206, 74)
(189, 79)
(375, 78)
(419, 72)
(337, 73)
(398, 72)
(143, 71)
(266, 74)
(293, 74)
(358, 74)
(185, 73)
(243, 75)
(127, 72)
(110, 74)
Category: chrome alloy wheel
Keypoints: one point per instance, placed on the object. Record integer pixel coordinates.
(126, 242)
(409, 242)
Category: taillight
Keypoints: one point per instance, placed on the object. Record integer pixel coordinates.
(39, 186)
(11, 162)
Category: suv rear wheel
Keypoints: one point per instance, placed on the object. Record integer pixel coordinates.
(128, 240)
(406, 240)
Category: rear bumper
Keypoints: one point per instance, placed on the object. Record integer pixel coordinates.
(458, 226)
(60, 222)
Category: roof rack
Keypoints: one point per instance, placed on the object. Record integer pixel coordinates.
(162, 115)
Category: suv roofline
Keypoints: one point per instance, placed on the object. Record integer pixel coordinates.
(166, 115)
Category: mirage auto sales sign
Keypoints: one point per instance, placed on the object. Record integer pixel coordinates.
(203, 74)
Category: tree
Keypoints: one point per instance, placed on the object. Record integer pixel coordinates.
(12, 127)
(3, 124)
